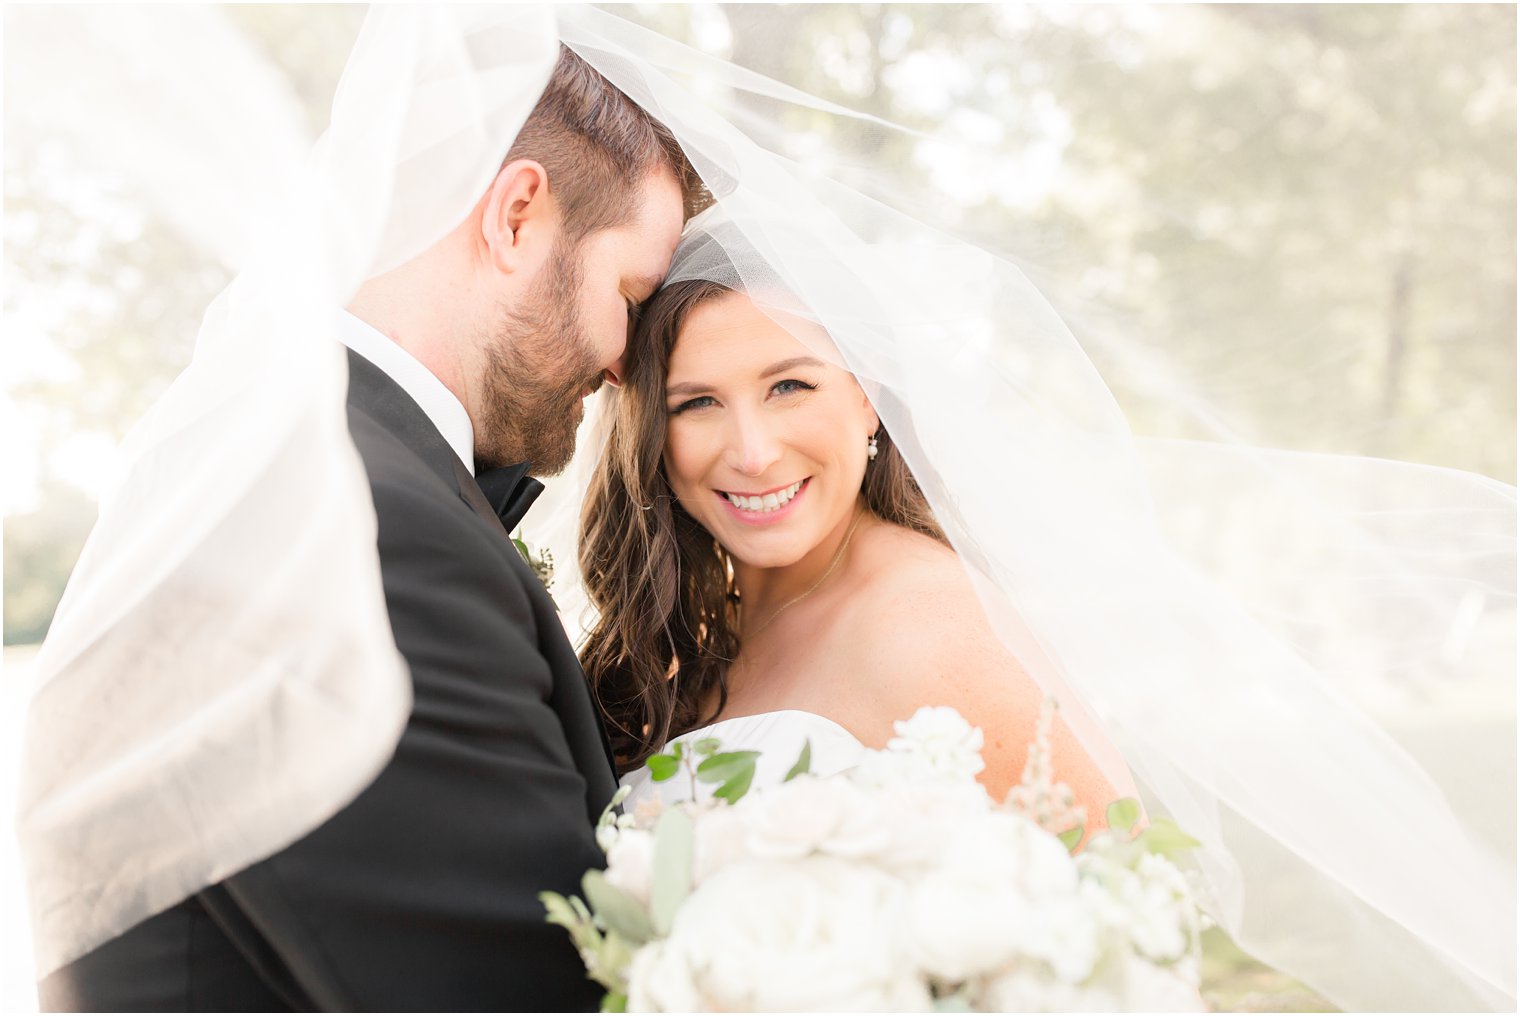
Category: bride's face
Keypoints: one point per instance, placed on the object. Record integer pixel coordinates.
(766, 443)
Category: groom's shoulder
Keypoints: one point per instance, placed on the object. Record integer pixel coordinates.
(409, 495)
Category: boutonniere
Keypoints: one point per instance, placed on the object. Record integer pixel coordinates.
(540, 560)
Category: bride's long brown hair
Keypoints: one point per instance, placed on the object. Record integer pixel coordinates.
(664, 587)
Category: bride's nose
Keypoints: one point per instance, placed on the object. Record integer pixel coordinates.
(753, 447)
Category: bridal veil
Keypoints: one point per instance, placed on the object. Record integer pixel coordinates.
(220, 677)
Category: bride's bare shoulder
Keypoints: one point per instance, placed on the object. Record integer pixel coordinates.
(910, 577)
(916, 624)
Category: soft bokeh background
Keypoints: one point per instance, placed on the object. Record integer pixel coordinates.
(1309, 211)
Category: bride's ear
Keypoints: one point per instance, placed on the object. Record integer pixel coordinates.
(519, 222)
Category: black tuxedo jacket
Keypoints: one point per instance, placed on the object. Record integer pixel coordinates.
(423, 893)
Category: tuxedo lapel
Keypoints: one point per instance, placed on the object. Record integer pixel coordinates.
(472, 495)
(373, 392)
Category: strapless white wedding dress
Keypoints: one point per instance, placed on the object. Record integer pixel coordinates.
(778, 736)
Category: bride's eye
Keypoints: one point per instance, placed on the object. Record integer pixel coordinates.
(700, 402)
(791, 386)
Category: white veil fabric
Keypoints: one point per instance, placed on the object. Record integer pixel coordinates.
(220, 677)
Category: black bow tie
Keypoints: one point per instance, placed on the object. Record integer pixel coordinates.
(510, 491)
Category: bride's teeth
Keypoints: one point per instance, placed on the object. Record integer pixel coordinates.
(766, 502)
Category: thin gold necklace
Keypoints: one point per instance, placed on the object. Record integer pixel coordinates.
(838, 557)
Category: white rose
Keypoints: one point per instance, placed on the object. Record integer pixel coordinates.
(1066, 934)
(1045, 865)
(719, 839)
(959, 926)
(815, 934)
(630, 863)
(812, 815)
(658, 981)
(981, 905)
(940, 741)
(925, 817)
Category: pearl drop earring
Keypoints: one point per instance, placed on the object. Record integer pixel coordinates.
(871, 448)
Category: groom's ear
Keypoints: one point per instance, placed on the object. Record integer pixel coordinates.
(520, 221)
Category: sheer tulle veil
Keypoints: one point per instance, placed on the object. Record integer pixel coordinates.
(1210, 613)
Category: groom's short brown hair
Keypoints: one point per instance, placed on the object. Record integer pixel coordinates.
(598, 145)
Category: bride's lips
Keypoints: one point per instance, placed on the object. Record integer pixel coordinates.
(763, 518)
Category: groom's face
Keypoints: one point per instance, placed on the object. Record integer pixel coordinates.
(569, 334)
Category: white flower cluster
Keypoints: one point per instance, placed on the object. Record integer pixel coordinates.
(899, 886)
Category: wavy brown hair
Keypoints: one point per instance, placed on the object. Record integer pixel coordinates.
(664, 586)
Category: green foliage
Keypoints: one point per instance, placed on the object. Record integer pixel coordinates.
(1071, 837)
(541, 561)
(734, 770)
(672, 867)
(804, 763)
(706, 746)
(615, 909)
(1164, 837)
(606, 955)
(662, 767)
(1123, 815)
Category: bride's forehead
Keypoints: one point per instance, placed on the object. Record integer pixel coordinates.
(733, 331)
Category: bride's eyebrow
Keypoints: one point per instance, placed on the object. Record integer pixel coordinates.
(687, 388)
(781, 366)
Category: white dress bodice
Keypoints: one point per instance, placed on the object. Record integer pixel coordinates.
(778, 736)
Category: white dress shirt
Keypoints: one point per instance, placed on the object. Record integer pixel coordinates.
(441, 406)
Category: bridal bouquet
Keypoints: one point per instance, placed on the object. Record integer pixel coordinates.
(899, 885)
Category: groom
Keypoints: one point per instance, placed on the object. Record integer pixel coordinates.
(468, 367)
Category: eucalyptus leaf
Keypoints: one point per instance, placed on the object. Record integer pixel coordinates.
(724, 767)
(804, 764)
(707, 746)
(609, 962)
(1123, 814)
(671, 872)
(615, 1001)
(559, 910)
(663, 767)
(617, 910)
(573, 917)
(1164, 837)
(736, 787)
(1070, 838)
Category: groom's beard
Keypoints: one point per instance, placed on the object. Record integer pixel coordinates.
(538, 366)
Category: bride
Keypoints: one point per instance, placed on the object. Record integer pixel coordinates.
(788, 582)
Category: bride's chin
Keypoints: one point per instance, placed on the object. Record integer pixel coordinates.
(744, 552)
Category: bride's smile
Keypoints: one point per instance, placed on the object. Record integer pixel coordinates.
(767, 507)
